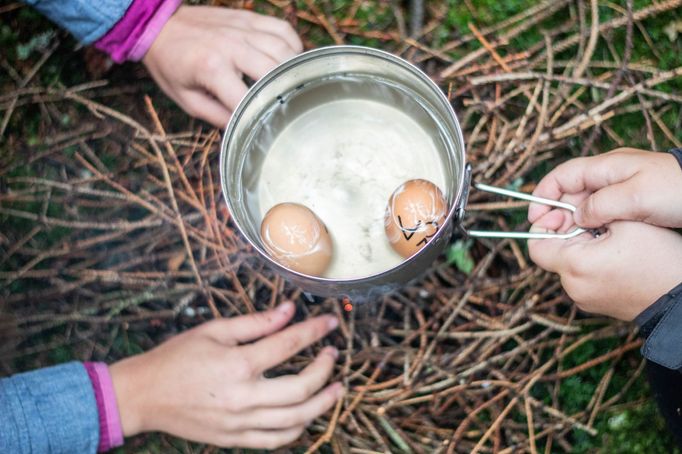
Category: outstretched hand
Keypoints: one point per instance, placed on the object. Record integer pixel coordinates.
(207, 384)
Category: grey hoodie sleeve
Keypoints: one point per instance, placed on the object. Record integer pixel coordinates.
(51, 410)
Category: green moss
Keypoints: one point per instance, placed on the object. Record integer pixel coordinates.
(637, 430)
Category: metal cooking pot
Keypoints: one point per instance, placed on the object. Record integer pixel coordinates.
(240, 160)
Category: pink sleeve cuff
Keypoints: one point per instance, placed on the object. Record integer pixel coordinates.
(153, 29)
(133, 35)
(110, 430)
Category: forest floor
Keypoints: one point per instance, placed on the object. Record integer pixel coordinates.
(484, 353)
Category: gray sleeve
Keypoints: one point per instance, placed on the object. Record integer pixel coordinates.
(51, 410)
(87, 20)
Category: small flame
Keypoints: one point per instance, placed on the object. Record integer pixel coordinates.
(347, 305)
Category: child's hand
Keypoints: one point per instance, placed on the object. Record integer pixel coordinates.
(202, 53)
(203, 385)
(625, 184)
(618, 274)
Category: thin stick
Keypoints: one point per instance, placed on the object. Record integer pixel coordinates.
(180, 223)
(327, 436)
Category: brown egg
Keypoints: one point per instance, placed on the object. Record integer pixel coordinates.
(296, 238)
(415, 212)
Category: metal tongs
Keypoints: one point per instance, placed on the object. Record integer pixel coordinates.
(525, 235)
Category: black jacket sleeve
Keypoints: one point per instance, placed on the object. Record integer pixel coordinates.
(661, 325)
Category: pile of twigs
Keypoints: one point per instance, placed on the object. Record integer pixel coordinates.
(121, 231)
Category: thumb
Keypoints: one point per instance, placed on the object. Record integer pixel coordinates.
(250, 327)
(614, 202)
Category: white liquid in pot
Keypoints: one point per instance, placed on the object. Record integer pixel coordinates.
(343, 160)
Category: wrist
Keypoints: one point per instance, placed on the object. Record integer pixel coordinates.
(651, 315)
(131, 389)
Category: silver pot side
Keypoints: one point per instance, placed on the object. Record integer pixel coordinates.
(239, 164)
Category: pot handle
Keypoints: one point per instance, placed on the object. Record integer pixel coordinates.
(517, 195)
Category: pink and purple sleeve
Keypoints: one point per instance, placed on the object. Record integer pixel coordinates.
(132, 36)
(110, 430)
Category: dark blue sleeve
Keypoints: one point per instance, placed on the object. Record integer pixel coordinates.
(87, 20)
(51, 410)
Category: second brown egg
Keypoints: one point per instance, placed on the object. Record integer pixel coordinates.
(415, 213)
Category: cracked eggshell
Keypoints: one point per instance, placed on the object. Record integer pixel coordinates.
(415, 212)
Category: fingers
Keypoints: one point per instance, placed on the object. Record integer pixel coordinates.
(203, 106)
(271, 45)
(556, 255)
(295, 415)
(254, 63)
(569, 216)
(279, 28)
(274, 349)
(273, 427)
(583, 174)
(551, 222)
(250, 21)
(555, 184)
(293, 389)
(614, 202)
(222, 81)
(545, 253)
(246, 328)
(226, 87)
